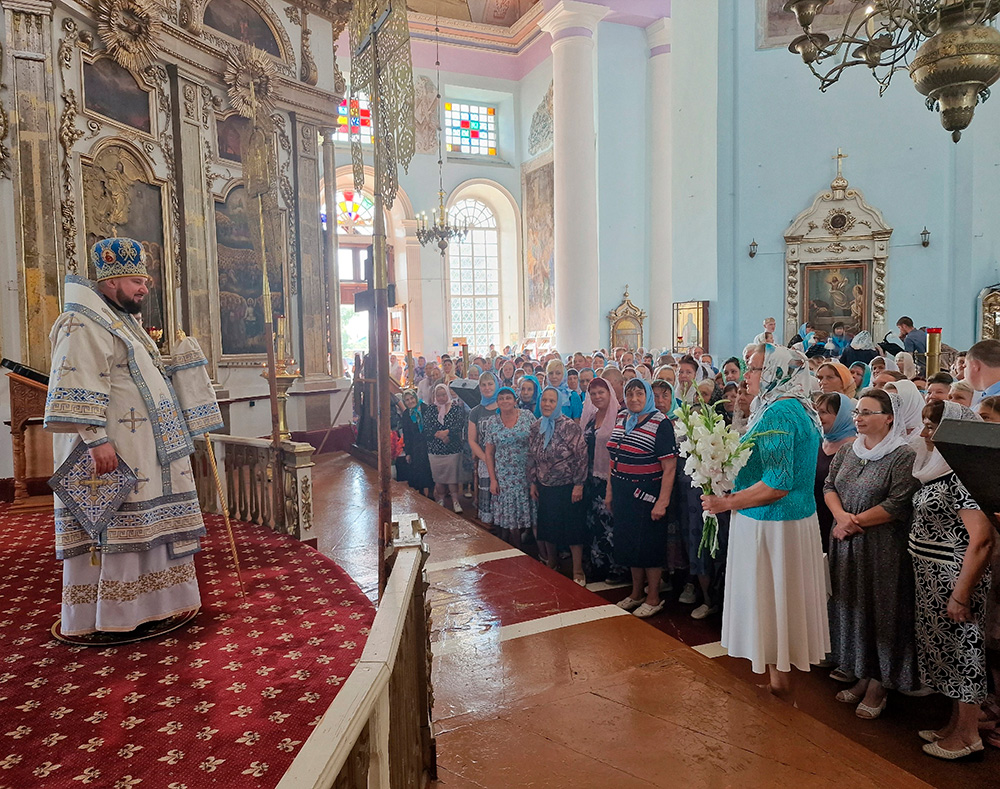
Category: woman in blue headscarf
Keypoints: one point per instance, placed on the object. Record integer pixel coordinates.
(643, 464)
(418, 473)
(487, 408)
(557, 469)
(836, 415)
(529, 393)
(570, 402)
(862, 376)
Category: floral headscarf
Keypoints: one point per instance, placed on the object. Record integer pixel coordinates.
(929, 465)
(895, 438)
(786, 374)
(863, 342)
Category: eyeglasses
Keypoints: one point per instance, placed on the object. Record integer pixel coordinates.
(755, 369)
(857, 413)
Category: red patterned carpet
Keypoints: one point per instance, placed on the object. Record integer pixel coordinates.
(226, 701)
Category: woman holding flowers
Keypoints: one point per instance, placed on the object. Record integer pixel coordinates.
(774, 613)
(643, 465)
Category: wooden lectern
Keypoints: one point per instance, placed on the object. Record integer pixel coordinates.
(27, 401)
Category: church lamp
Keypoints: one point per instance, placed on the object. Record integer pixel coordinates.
(949, 47)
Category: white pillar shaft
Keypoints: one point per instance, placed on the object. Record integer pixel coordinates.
(577, 302)
(660, 203)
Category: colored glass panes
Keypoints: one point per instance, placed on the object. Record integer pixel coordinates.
(470, 129)
(355, 213)
(474, 266)
(354, 116)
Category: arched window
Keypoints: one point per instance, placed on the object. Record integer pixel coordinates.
(475, 276)
(355, 213)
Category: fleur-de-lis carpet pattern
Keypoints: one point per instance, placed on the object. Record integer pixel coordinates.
(226, 701)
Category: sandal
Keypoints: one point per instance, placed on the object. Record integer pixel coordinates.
(628, 604)
(929, 735)
(646, 610)
(849, 697)
(871, 713)
(969, 751)
(839, 675)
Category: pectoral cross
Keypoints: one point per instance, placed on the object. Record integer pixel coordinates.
(840, 159)
(132, 420)
(95, 483)
(140, 481)
(115, 323)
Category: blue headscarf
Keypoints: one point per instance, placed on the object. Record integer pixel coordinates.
(416, 413)
(547, 424)
(633, 419)
(496, 390)
(533, 405)
(843, 425)
(866, 380)
(503, 389)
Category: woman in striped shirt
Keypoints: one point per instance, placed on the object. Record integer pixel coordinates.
(643, 465)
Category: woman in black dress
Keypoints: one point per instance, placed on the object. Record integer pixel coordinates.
(418, 473)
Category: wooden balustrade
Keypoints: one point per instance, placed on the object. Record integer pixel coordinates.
(377, 733)
(247, 469)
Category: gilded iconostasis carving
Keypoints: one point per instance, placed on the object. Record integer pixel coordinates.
(152, 106)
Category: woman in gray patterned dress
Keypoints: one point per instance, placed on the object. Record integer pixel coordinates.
(869, 491)
(951, 542)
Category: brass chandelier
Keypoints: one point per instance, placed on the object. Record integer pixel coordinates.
(950, 48)
(438, 230)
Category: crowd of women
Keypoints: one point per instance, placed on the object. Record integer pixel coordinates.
(851, 543)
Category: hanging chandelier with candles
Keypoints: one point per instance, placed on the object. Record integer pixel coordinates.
(437, 229)
(950, 48)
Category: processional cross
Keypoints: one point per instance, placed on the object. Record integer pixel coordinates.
(381, 69)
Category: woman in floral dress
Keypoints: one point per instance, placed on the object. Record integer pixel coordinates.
(506, 442)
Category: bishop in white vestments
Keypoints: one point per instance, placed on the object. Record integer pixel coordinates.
(110, 389)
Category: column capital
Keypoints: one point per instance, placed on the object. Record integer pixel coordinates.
(572, 18)
(659, 36)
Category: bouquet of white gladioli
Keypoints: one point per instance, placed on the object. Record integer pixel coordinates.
(714, 458)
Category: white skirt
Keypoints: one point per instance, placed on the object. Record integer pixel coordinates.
(775, 611)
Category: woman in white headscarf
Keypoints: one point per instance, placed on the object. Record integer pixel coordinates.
(951, 542)
(906, 365)
(869, 491)
(911, 404)
(774, 611)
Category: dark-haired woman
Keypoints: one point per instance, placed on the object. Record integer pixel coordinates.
(643, 455)
(869, 491)
(951, 542)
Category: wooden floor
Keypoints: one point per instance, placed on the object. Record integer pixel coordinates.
(540, 683)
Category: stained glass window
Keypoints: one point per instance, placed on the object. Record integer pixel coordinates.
(354, 115)
(470, 129)
(474, 265)
(355, 213)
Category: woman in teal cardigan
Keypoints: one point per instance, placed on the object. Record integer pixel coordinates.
(775, 611)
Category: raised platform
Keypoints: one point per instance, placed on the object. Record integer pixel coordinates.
(538, 682)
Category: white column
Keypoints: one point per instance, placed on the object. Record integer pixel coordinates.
(660, 219)
(572, 25)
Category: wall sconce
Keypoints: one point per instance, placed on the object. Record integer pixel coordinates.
(753, 248)
(925, 237)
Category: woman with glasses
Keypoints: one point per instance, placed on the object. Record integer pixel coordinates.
(869, 491)
(774, 611)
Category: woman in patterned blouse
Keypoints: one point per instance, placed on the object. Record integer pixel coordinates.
(446, 428)
(557, 469)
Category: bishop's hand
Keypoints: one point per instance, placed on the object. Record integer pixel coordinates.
(105, 458)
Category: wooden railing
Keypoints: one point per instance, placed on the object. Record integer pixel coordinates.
(247, 469)
(377, 733)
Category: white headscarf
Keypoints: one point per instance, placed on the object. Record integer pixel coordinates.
(895, 438)
(929, 465)
(863, 342)
(786, 374)
(906, 364)
(910, 407)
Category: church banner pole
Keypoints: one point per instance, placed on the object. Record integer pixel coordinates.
(381, 334)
